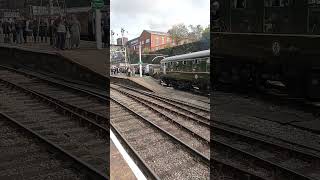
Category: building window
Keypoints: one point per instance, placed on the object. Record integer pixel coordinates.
(157, 40)
(168, 39)
(162, 38)
(142, 42)
(147, 41)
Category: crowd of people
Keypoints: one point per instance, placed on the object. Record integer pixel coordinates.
(61, 32)
(128, 71)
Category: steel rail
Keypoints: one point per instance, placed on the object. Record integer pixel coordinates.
(191, 150)
(201, 122)
(221, 143)
(202, 139)
(163, 98)
(83, 166)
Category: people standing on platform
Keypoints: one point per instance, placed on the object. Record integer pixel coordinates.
(42, 31)
(68, 38)
(28, 31)
(35, 30)
(75, 32)
(1, 33)
(61, 31)
(19, 31)
(13, 33)
(24, 29)
(52, 32)
(5, 27)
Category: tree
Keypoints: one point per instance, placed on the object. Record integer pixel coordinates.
(206, 34)
(178, 33)
(195, 32)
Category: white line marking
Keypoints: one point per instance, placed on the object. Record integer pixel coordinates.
(135, 169)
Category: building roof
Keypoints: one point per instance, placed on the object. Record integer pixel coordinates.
(133, 39)
(156, 32)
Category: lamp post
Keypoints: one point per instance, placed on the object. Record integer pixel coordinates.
(140, 61)
(97, 5)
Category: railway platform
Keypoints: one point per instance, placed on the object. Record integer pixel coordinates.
(87, 55)
(281, 121)
(119, 168)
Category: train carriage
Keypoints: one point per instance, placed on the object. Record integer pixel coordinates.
(259, 42)
(187, 70)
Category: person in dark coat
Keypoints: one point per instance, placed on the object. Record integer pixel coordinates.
(35, 30)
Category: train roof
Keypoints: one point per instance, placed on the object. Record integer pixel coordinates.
(198, 54)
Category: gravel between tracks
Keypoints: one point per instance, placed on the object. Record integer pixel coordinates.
(150, 146)
(70, 96)
(55, 127)
(182, 135)
(23, 157)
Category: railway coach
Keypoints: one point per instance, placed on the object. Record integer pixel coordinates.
(187, 70)
(268, 44)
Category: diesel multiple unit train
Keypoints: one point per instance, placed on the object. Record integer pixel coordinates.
(268, 44)
(187, 70)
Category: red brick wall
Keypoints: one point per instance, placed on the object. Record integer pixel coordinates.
(144, 36)
(161, 44)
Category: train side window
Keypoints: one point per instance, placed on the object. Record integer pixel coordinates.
(184, 62)
(239, 4)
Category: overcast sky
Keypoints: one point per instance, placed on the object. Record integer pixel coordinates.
(158, 15)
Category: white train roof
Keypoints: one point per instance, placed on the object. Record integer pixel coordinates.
(198, 54)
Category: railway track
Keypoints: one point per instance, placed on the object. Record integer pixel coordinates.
(28, 155)
(167, 156)
(253, 155)
(71, 131)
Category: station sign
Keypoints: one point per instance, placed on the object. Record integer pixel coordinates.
(43, 10)
(9, 13)
(97, 4)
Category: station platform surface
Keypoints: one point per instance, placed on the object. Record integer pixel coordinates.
(87, 55)
(119, 169)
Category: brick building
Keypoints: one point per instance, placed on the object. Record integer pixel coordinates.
(151, 41)
(133, 44)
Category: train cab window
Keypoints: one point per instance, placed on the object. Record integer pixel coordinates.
(239, 4)
(184, 62)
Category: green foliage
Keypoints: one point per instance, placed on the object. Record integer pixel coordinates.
(172, 51)
(195, 32)
(206, 34)
(178, 32)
